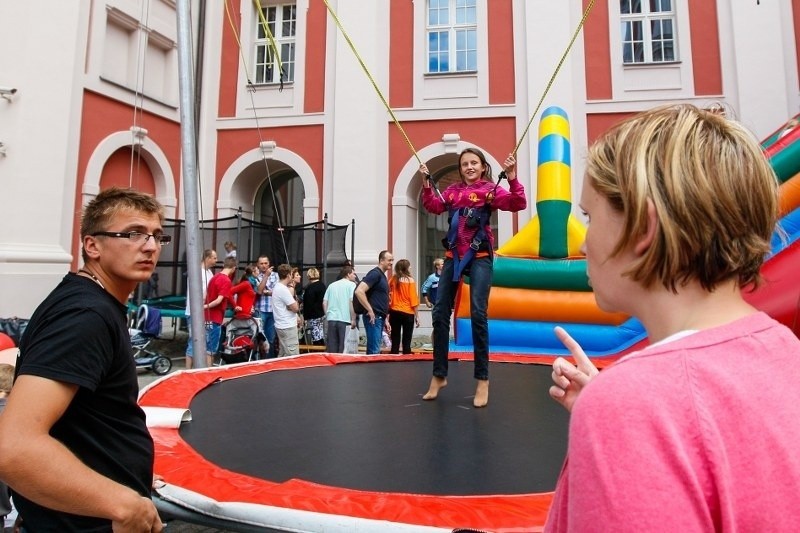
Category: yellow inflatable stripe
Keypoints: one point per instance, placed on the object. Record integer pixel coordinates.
(539, 305)
(554, 124)
(553, 182)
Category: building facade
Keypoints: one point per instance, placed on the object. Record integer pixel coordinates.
(98, 80)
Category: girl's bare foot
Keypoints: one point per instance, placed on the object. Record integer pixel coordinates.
(437, 384)
(481, 393)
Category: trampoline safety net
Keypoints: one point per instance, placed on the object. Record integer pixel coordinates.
(318, 244)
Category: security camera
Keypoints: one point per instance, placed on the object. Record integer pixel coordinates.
(7, 92)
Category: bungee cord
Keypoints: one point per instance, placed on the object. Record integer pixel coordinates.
(138, 96)
(377, 89)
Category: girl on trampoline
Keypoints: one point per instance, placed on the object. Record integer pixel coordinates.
(469, 244)
(698, 431)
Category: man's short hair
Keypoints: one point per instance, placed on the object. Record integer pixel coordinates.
(109, 202)
(208, 252)
(284, 271)
(382, 255)
(229, 262)
(345, 271)
(714, 192)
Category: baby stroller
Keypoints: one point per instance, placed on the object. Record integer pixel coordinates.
(241, 343)
(148, 327)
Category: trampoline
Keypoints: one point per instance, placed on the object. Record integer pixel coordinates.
(324, 442)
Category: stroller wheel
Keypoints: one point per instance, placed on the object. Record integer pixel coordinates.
(161, 365)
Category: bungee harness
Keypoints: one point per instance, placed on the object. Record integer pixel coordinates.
(479, 216)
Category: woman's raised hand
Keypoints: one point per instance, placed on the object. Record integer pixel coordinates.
(423, 169)
(510, 167)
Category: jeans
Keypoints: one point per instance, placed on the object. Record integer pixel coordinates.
(480, 283)
(268, 325)
(374, 333)
(212, 339)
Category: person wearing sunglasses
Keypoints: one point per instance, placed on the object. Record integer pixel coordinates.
(74, 447)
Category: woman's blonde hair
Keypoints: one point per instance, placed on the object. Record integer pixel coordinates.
(313, 273)
(715, 195)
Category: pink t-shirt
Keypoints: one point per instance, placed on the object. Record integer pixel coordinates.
(700, 434)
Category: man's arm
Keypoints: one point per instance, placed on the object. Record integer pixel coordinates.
(290, 303)
(353, 316)
(262, 285)
(215, 302)
(66, 483)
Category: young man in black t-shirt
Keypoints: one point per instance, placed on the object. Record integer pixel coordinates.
(74, 446)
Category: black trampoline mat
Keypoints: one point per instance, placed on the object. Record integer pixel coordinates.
(364, 426)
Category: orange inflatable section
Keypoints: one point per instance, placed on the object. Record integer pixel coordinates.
(527, 305)
(790, 195)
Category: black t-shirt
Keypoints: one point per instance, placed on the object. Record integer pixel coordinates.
(312, 300)
(378, 294)
(78, 335)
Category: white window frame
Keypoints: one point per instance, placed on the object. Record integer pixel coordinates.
(456, 28)
(647, 41)
(287, 44)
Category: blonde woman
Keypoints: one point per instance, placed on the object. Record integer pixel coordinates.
(698, 431)
(313, 313)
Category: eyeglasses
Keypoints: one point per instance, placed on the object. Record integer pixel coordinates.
(136, 237)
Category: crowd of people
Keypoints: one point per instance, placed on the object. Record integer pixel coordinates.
(289, 314)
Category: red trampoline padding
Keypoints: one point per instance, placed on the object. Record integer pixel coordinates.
(180, 465)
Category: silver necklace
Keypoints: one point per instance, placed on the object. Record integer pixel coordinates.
(91, 275)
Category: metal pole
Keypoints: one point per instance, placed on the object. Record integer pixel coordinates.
(325, 247)
(239, 234)
(353, 243)
(194, 251)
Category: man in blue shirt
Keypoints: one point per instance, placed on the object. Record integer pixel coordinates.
(373, 293)
(430, 287)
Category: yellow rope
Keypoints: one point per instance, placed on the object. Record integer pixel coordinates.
(555, 72)
(372, 80)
